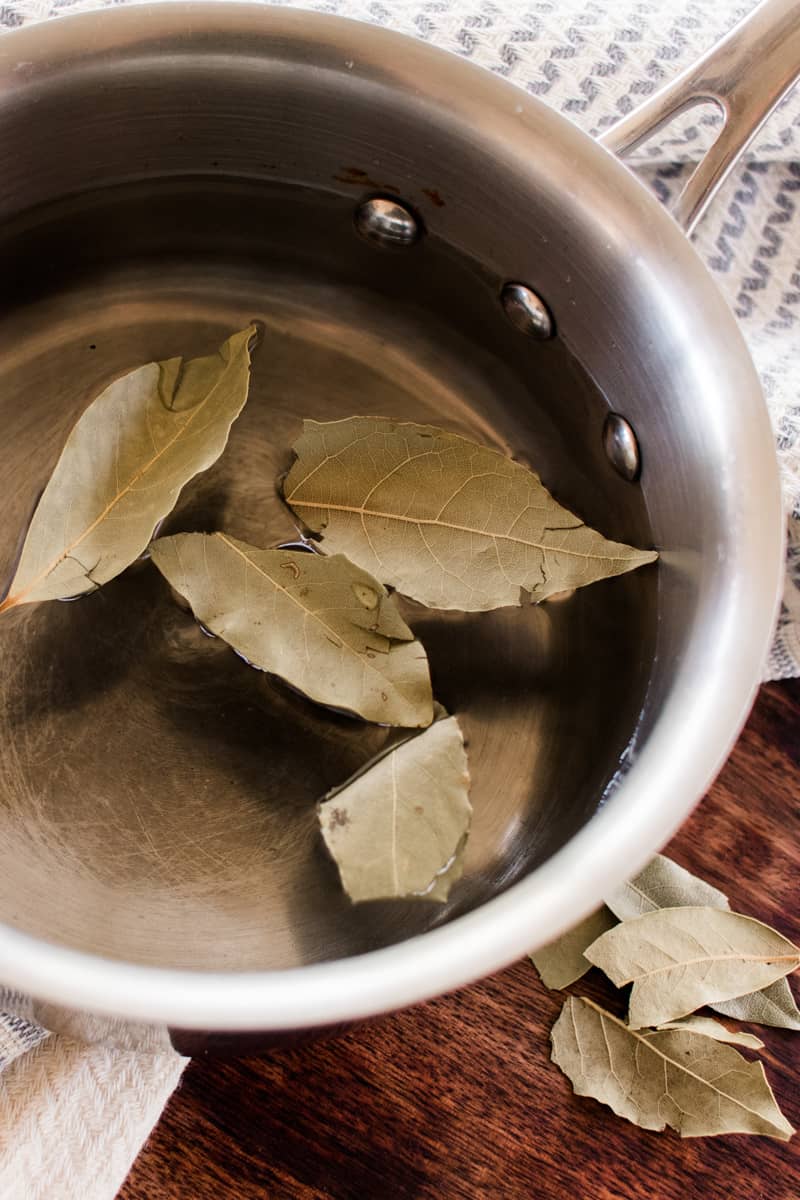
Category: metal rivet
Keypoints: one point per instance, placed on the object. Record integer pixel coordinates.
(526, 311)
(387, 223)
(621, 446)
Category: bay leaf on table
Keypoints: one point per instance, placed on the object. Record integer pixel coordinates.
(773, 1005)
(322, 624)
(716, 1030)
(123, 466)
(665, 884)
(695, 1084)
(561, 962)
(679, 959)
(398, 829)
(448, 522)
(662, 884)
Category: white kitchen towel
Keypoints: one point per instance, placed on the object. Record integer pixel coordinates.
(72, 1118)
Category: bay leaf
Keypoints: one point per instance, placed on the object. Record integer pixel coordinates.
(444, 880)
(448, 522)
(662, 884)
(695, 1084)
(123, 467)
(322, 624)
(665, 884)
(561, 962)
(773, 1005)
(716, 1030)
(679, 959)
(398, 828)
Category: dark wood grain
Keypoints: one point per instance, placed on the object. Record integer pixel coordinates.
(458, 1098)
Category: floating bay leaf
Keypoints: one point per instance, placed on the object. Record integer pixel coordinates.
(448, 522)
(662, 884)
(716, 1030)
(322, 624)
(561, 962)
(398, 829)
(695, 1084)
(773, 1005)
(679, 959)
(123, 467)
(443, 882)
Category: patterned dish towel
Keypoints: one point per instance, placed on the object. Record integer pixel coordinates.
(73, 1117)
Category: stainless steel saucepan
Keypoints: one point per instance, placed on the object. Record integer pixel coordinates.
(168, 173)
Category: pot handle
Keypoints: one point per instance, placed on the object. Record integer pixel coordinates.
(745, 75)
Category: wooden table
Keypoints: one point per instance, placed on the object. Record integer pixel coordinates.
(458, 1098)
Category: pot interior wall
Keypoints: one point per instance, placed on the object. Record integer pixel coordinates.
(158, 797)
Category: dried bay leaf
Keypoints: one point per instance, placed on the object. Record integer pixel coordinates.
(679, 959)
(399, 828)
(123, 467)
(561, 962)
(664, 884)
(695, 1084)
(444, 520)
(443, 882)
(773, 1005)
(716, 1030)
(320, 623)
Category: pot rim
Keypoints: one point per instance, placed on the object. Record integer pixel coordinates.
(660, 788)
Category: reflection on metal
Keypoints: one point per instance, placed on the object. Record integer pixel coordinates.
(621, 446)
(526, 311)
(387, 223)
